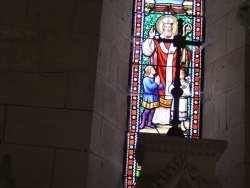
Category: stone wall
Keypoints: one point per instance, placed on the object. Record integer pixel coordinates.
(111, 91)
(225, 89)
(63, 89)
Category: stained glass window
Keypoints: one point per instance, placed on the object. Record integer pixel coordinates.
(153, 71)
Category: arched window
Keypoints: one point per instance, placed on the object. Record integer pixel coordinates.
(156, 57)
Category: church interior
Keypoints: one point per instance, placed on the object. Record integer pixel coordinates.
(64, 88)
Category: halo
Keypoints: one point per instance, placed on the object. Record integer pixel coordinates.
(159, 24)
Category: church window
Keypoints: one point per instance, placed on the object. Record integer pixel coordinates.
(154, 60)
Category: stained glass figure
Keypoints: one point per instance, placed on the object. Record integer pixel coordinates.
(153, 72)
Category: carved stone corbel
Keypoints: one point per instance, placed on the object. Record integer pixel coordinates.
(175, 162)
(180, 171)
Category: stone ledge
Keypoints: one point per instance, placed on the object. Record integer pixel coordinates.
(200, 147)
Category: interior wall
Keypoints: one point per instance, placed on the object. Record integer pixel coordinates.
(111, 91)
(63, 89)
(63, 86)
(224, 96)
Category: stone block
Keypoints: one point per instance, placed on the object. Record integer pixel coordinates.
(21, 34)
(216, 41)
(2, 121)
(110, 4)
(236, 107)
(208, 80)
(234, 156)
(233, 176)
(236, 33)
(247, 178)
(123, 39)
(68, 52)
(70, 169)
(31, 166)
(104, 59)
(214, 11)
(235, 69)
(242, 14)
(221, 104)
(35, 89)
(218, 9)
(5, 55)
(108, 24)
(246, 143)
(103, 174)
(219, 81)
(127, 10)
(91, 10)
(215, 117)
(96, 130)
(113, 67)
(106, 100)
(13, 12)
(123, 74)
(80, 94)
(25, 57)
(247, 66)
(247, 104)
(121, 8)
(48, 127)
(228, 72)
(92, 0)
(124, 13)
(56, 14)
(122, 113)
(216, 122)
(210, 128)
(108, 60)
(248, 37)
(112, 143)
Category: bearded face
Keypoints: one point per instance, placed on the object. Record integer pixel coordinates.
(167, 30)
